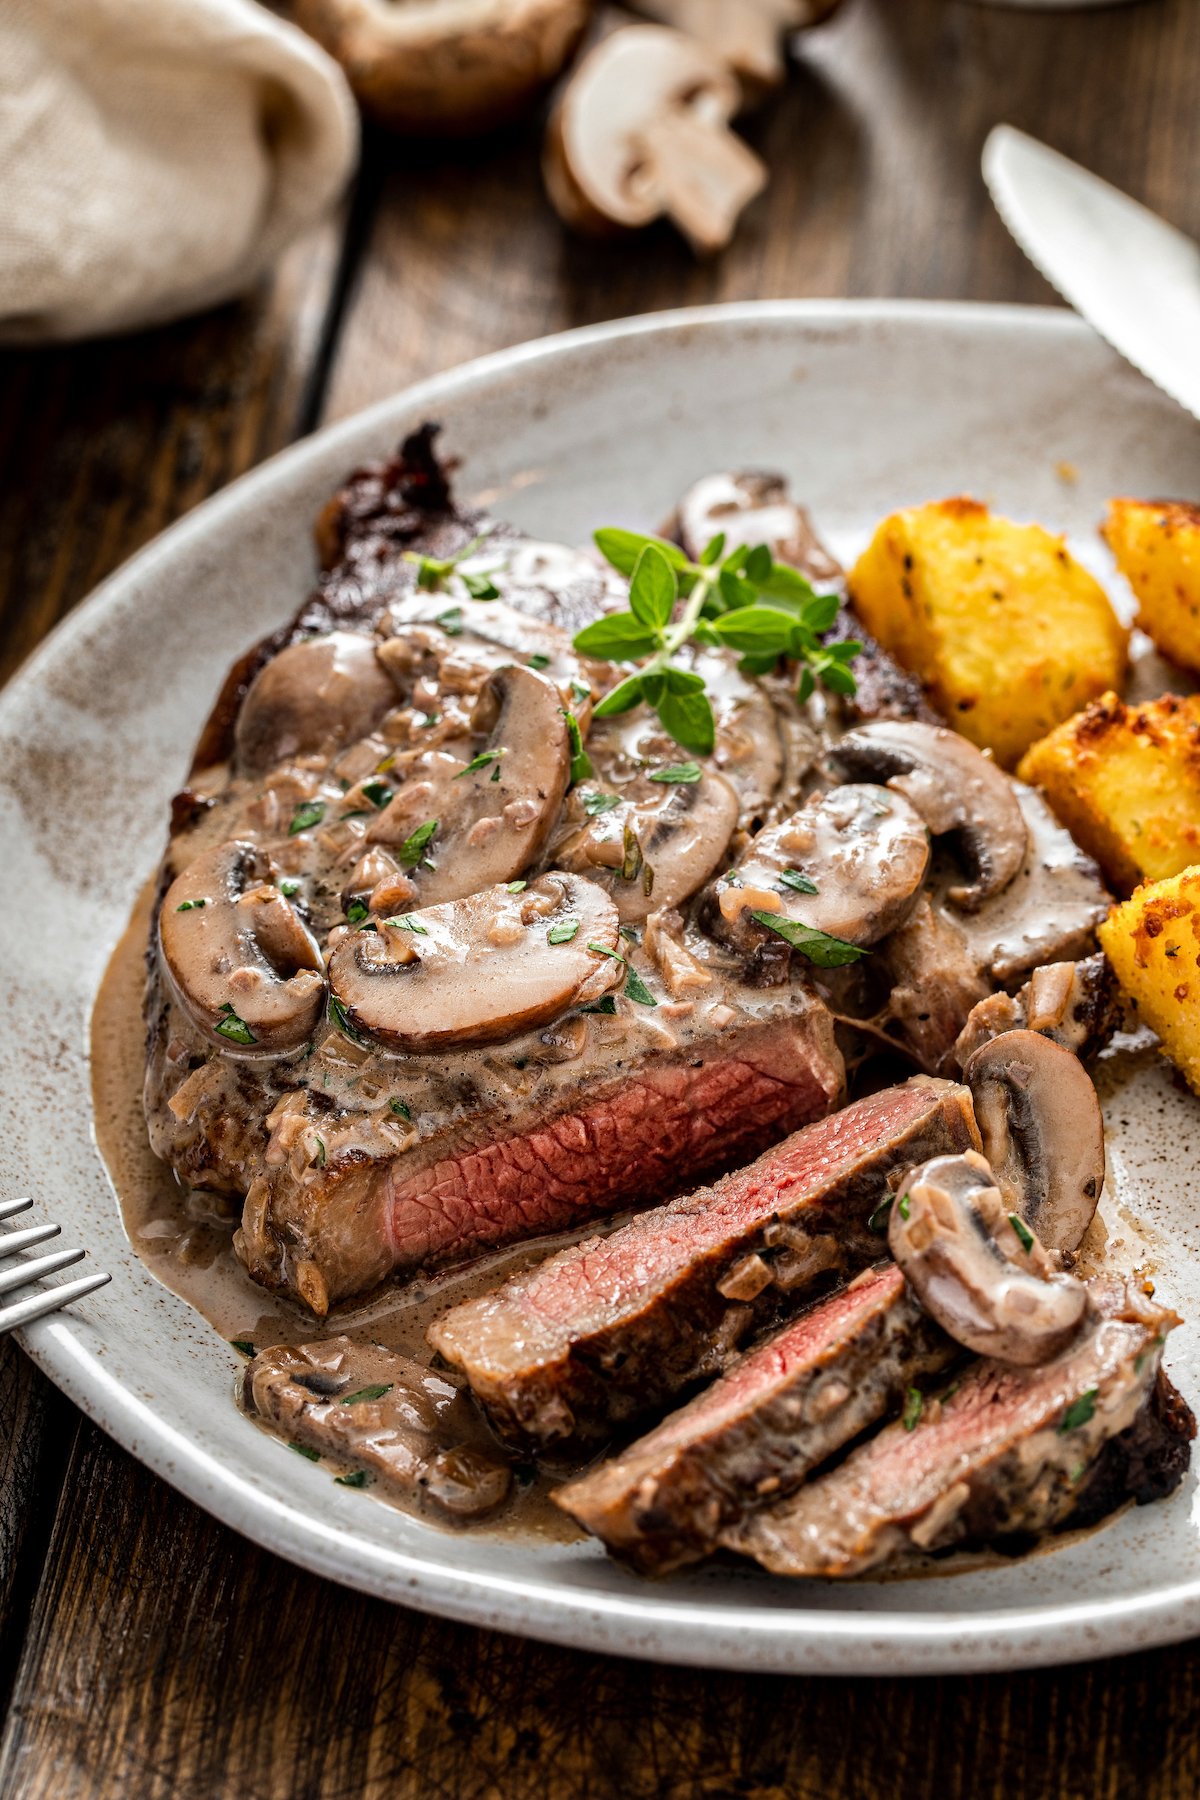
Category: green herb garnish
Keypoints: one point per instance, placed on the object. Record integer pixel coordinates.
(606, 1004)
(1022, 1230)
(794, 879)
(677, 774)
(377, 792)
(1079, 1412)
(358, 1479)
(636, 988)
(375, 1392)
(401, 1110)
(412, 850)
(904, 1208)
(594, 804)
(516, 887)
(406, 922)
(243, 1346)
(289, 888)
(233, 1028)
(818, 946)
(538, 660)
(321, 1152)
(581, 762)
(480, 762)
(451, 621)
(434, 571)
(310, 813)
(479, 585)
(304, 1451)
(357, 911)
(341, 1018)
(741, 599)
(190, 905)
(914, 1406)
(562, 931)
(878, 1220)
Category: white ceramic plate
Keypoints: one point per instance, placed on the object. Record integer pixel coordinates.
(866, 407)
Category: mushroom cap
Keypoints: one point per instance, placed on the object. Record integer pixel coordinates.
(994, 1290)
(446, 67)
(754, 506)
(244, 964)
(747, 34)
(1042, 1131)
(493, 809)
(480, 969)
(315, 695)
(863, 849)
(954, 787)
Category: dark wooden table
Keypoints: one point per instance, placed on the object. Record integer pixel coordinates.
(145, 1651)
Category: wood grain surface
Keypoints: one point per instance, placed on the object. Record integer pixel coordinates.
(147, 1652)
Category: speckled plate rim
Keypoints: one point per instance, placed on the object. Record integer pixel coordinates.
(650, 1624)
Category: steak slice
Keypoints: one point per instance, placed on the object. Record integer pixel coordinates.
(610, 1329)
(412, 1433)
(1007, 1453)
(757, 1432)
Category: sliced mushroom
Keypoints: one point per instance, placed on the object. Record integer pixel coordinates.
(747, 34)
(849, 863)
(460, 823)
(480, 969)
(754, 506)
(447, 67)
(315, 695)
(655, 844)
(986, 1282)
(244, 964)
(1075, 1003)
(642, 129)
(954, 787)
(1042, 1132)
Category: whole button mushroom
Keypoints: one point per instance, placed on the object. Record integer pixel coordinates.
(480, 969)
(642, 130)
(446, 67)
(316, 695)
(241, 959)
(850, 863)
(977, 1268)
(954, 787)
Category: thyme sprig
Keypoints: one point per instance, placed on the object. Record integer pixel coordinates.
(739, 599)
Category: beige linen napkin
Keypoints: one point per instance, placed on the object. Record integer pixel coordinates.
(155, 157)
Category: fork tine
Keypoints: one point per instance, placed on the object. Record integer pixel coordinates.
(9, 1207)
(40, 1265)
(12, 1241)
(23, 1312)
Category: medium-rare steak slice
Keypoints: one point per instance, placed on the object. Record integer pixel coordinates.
(612, 1328)
(757, 1432)
(1005, 1453)
(394, 1423)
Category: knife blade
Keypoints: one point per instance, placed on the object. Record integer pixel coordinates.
(1134, 278)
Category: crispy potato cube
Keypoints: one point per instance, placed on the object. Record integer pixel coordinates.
(1125, 781)
(1008, 632)
(1153, 943)
(1157, 547)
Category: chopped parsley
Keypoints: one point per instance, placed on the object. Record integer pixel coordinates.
(637, 990)
(593, 804)
(580, 691)
(412, 850)
(233, 1028)
(878, 1220)
(539, 660)
(794, 879)
(581, 762)
(322, 1155)
(677, 774)
(406, 922)
(1022, 1230)
(358, 1479)
(914, 1406)
(289, 887)
(818, 946)
(190, 905)
(356, 912)
(562, 931)
(516, 887)
(905, 1209)
(480, 586)
(606, 1004)
(480, 762)
(341, 1018)
(401, 1110)
(377, 792)
(1079, 1412)
(375, 1392)
(304, 1451)
(451, 621)
(243, 1346)
(308, 814)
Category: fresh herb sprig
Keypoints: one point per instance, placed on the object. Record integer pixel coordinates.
(434, 571)
(739, 599)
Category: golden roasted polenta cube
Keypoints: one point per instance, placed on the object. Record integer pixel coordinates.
(1008, 632)
(1157, 547)
(1153, 943)
(1125, 781)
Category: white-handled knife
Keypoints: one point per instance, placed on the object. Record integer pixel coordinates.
(1132, 276)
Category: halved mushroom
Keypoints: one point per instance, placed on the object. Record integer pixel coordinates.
(446, 66)
(651, 843)
(315, 695)
(749, 35)
(642, 129)
(849, 863)
(480, 969)
(954, 787)
(460, 824)
(754, 506)
(1042, 1132)
(981, 1274)
(243, 962)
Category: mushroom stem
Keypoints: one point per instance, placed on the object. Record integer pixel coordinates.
(706, 176)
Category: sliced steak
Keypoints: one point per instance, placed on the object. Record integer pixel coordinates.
(386, 1419)
(756, 1433)
(612, 1328)
(1006, 1453)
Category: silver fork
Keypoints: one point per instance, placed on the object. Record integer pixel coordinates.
(21, 1274)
